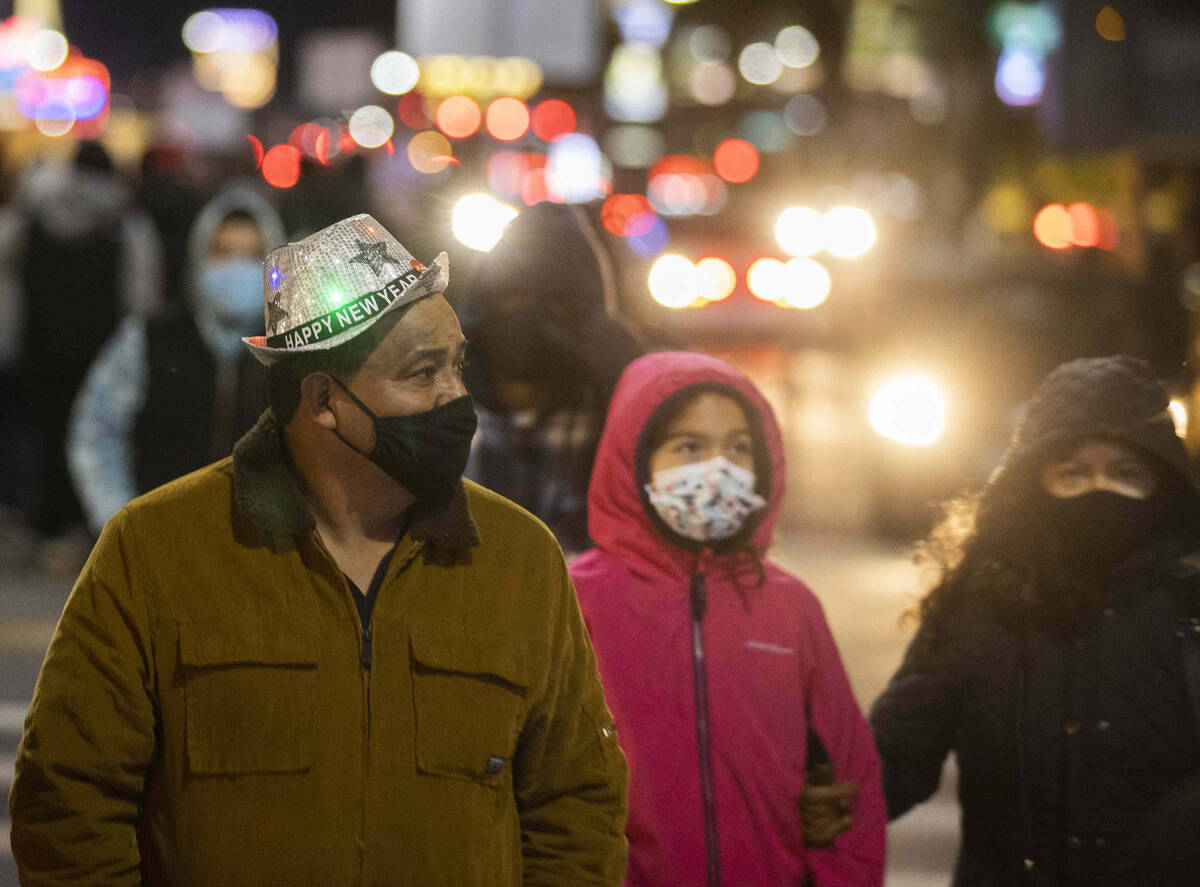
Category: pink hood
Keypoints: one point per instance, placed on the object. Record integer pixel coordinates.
(617, 521)
(773, 672)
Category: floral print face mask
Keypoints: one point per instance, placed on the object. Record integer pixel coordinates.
(705, 501)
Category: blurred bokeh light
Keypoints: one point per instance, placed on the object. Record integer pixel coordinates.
(910, 409)
(395, 72)
(850, 232)
(479, 220)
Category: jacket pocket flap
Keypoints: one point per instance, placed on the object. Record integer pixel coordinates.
(246, 644)
(470, 654)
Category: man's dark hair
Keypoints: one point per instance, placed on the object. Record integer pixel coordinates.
(285, 375)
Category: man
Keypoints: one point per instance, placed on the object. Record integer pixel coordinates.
(327, 660)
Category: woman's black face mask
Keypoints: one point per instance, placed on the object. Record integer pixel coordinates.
(1099, 528)
(424, 452)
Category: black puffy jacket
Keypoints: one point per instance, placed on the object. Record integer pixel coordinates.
(1069, 741)
(1065, 744)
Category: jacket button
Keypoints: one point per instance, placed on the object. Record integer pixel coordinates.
(1029, 865)
(494, 765)
(1103, 726)
(1074, 842)
(607, 732)
(1072, 727)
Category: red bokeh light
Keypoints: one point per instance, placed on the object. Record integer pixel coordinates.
(1053, 227)
(507, 119)
(627, 215)
(458, 116)
(305, 137)
(533, 187)
(410, 108)
(1108, 229)
(680, 165)
(281, 166)
(321, 147)
(553, 118)
(736, 160)
(1085, 224)
(506, 170)
(257, 146)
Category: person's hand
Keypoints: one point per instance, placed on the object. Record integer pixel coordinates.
(825, 807)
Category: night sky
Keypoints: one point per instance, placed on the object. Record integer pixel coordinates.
(136, 38)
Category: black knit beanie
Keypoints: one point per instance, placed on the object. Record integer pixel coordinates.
(1114, 398)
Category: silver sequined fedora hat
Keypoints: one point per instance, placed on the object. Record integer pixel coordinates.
(334, 284)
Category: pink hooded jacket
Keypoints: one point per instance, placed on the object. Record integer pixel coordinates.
(770, 655)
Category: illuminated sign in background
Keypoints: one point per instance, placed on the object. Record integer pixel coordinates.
(49, 84)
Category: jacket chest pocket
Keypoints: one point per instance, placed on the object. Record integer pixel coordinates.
(469, 698)
(249, 695)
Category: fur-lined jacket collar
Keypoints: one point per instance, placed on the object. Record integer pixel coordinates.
(265, 492)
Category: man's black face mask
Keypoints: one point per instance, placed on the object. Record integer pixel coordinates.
(425, 452)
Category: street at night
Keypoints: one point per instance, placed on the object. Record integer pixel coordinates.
(423, 422)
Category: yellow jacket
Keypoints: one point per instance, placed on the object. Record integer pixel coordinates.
(204, 715)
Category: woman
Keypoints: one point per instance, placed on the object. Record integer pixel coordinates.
(1054, 651)
(718, 665)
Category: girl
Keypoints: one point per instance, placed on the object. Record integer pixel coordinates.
(718, 665)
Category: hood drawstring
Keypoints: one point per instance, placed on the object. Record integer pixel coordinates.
(747, 554)
(698, 604)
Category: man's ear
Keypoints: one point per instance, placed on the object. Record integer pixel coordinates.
(314, 400)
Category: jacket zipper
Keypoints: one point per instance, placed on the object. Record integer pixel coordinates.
(698, 601)
(365, 657)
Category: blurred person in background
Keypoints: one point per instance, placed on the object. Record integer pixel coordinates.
(75, 258)
(719, 666)
(324, 193)
(167, 192)
(1058, 654)
(545, 357)
(170, 394)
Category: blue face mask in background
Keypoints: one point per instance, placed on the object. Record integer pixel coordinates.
(229, 302)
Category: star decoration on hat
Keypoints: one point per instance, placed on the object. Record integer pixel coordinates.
(374, 255)
(275, 312)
